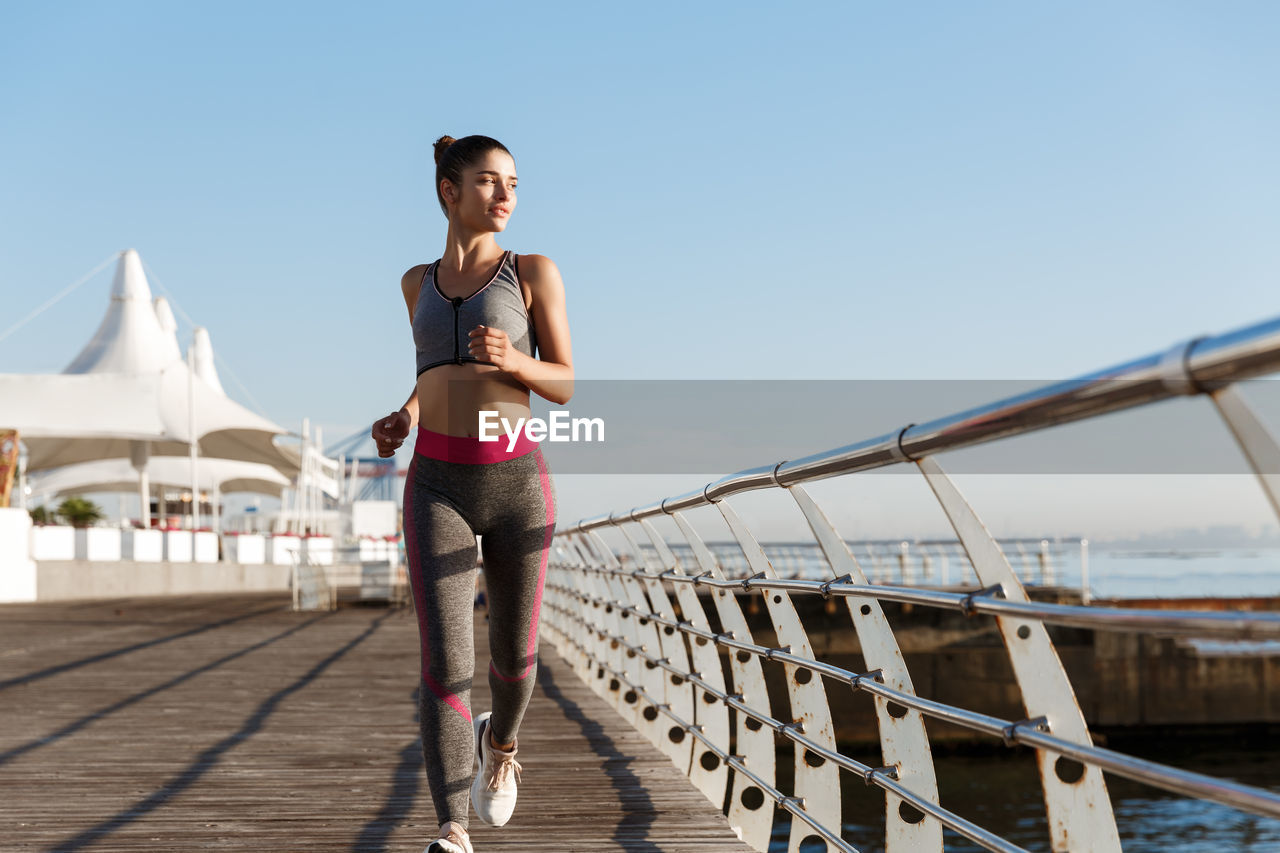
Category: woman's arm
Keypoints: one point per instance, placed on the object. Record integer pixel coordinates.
(410, 284)
(390, 432)
(550, 376)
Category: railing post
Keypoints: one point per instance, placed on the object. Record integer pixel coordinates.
(818, 786)
(706, 770)
(655, 680)
(904, 743)
(747, 807)
(1259, 446)
(611, 620)
(1080, 816)
(678, 692)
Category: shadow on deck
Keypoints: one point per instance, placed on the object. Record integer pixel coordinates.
(229, 722)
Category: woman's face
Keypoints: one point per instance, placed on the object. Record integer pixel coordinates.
(487, 197)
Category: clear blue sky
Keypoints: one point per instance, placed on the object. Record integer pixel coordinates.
(993, 190)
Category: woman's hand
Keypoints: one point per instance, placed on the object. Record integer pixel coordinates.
(390, 432)
(490, 344)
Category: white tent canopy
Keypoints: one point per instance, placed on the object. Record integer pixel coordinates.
(60, 428)
(119, 475)
(98, 408)
(137, 389)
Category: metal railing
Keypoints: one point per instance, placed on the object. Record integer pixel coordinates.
(632, 623)
(310, 584)
(1041, 561)
(377, 577)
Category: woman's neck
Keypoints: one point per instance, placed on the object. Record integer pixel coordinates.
(465, 250)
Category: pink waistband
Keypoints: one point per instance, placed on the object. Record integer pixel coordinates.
(471, 451)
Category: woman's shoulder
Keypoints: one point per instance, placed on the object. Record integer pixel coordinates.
(411, 285)
(537, 270)
(412, 279)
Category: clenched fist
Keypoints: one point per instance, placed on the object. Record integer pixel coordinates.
(390, 432)
(492, 345)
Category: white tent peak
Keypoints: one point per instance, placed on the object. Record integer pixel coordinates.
(130, 339)
(130, 282)
(164, 315)
(200, 354)
(168, 325)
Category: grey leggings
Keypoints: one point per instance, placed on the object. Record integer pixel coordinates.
(511, 505)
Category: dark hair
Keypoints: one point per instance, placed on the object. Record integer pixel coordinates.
(454, 155)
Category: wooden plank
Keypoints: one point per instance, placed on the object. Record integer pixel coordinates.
(231, 723)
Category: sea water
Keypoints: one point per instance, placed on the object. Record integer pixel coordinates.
(1001, 793)
(1113, 572)
(1227, 573)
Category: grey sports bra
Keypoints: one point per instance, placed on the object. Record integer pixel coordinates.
(441, 324)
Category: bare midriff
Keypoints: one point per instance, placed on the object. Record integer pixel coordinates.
(451, 397)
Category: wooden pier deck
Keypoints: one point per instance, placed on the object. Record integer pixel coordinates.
(231, 723)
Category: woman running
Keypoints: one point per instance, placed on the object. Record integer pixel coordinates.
(479, 314)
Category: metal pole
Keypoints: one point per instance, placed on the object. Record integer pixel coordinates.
(191, 425)
(216, 522)
(139, 457)
(1085, 597)
(317, 501)
(304, 477)
(144, 500)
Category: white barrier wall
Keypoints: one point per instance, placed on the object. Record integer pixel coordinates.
(283, 548)
(142, 546)
(177, 546)
(53, 542)
(205, 547)
(245, 548)
(98, 544)
(318, 550)
(63, 580)
(17, 569)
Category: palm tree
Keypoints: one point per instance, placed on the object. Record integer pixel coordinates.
(42, 515)
(80, 512)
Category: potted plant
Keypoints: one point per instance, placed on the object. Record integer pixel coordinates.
(80, 512)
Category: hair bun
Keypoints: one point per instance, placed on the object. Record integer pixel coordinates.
(442, 145)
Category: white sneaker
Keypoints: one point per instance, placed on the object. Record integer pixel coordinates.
(493, 792)
(452, 841)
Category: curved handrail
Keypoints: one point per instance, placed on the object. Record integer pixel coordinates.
(600, 613)
(1200, 366)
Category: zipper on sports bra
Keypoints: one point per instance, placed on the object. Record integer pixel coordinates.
(457, 334)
